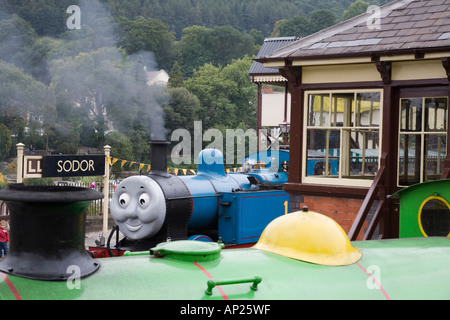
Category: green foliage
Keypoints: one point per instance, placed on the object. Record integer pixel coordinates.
(356, 8)
(63, 138)
(176, 76)
(147, 35)
(19, 93)
(302, 26)
(218, 46)
(241, 15)
(213, 91)
(43, 15)
(39, 181)
(5, 141)
(61, 89)
(296, 26)
(121, 146)
(17, 38)
(182, 109)
(226, 95)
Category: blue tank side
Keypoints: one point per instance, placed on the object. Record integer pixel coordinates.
(242, 180)
(204, 190)
(204, 200)
(205, 187)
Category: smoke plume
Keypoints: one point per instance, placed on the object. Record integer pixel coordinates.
(89, 71)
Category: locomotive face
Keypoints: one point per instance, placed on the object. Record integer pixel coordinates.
(138, 207)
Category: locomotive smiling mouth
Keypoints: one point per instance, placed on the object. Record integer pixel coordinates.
(133, 228)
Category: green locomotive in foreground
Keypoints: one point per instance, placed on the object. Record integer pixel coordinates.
(301, 255)
(394, 269)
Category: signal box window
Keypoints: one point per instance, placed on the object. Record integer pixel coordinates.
(422, 140)
(342, 136)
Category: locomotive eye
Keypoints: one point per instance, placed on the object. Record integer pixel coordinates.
(124, 200)
(144, 200)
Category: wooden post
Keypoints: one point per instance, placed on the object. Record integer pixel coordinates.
(106, 190)
(19, 174)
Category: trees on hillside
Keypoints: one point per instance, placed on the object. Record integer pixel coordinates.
(302, 26)
(151, 35)
(227, 96)
(218, 46)
(85, 82)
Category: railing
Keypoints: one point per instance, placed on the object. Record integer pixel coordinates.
(376, 192)
(96, 206)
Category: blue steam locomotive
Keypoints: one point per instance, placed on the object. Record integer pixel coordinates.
(212, 204)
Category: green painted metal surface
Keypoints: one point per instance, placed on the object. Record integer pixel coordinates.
(186, 250)
(414, 268)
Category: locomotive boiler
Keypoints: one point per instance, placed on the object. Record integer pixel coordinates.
(212, 204)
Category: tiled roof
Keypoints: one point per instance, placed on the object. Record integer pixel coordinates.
(269, 46)
(404, 25)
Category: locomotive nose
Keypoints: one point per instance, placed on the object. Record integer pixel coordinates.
(138, 207)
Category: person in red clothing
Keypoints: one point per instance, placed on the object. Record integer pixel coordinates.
(4, 239)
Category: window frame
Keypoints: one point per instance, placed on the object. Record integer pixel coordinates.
(422, 133)
(356, 181)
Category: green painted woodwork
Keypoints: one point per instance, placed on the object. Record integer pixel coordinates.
(412, 199)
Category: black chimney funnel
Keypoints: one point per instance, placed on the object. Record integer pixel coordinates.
(47, 231)
(158, 157)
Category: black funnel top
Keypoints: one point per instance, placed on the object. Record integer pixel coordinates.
(159, 157)
(47, 231)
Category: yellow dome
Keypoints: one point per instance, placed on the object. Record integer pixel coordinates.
(309, 236)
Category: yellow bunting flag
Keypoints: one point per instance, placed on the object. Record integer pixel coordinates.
(141, 165)
(148, 168)
(131, 163)
(123, 162)
(114, 160)
(176, 171)
(184, 171)
(1, 178)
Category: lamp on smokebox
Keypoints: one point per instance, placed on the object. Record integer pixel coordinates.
(285, 128)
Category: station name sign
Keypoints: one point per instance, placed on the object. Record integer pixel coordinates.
(64, 166)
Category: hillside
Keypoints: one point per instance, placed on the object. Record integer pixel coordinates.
(62, 88)
(46, 16)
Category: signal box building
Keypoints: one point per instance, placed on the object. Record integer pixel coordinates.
(368, 112)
